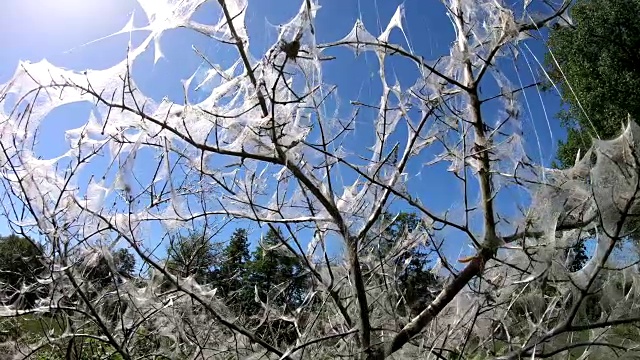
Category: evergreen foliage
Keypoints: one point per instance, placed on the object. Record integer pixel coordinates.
(593, 63)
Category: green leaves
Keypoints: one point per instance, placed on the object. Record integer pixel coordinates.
(415, 281)
(271, 268)
(124, 263)
(193, 255)
(19, 264)
(597, 75)
(595, 66)
(19, 260)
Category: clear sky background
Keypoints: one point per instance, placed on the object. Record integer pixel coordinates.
(56, 30)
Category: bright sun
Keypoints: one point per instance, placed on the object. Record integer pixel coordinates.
(63, 14)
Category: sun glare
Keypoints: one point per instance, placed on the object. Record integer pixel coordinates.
(64, 16)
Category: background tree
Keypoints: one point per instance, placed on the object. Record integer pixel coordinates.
(193, 255)
(279, 277)
(20, 265)
(592, 62)
(233, 275)
(103, 275)
(281, 284)
(415, 282)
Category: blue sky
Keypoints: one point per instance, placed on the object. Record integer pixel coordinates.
(56, 30)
